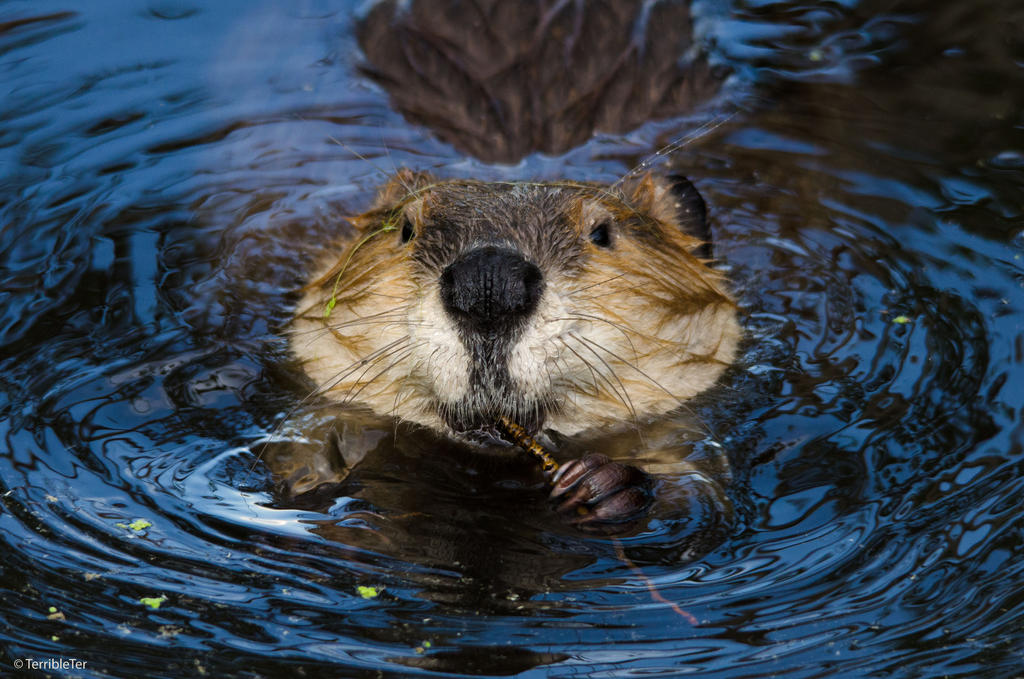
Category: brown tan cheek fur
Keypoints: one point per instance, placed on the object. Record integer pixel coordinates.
(653, 322)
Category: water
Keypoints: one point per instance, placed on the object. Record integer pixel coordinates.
(160, 162)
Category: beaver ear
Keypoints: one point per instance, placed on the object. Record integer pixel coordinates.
(402, 185)
(673, 200)
(692, 212)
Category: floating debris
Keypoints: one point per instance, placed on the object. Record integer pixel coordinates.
(152, 602)
(137, 525)
(367, 592)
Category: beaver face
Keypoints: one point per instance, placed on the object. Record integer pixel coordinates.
(558, 305)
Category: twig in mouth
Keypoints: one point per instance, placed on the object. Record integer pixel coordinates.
(527, 443)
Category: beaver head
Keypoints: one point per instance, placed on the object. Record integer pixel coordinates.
(560, 305)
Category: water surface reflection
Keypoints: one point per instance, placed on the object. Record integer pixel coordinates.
(162, 161)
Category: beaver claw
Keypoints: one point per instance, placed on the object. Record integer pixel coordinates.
(601, 496)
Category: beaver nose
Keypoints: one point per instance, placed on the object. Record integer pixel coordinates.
(489, 288)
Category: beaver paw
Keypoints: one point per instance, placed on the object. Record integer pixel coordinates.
(601, 496)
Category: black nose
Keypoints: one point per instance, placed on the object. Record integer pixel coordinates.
(491, 288)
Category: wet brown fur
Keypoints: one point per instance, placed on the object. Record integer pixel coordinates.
(621, 333)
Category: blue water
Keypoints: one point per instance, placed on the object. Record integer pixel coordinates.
(864, 169)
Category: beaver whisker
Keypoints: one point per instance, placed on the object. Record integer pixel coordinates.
(336, 274)
(368, 290)
(576, 315)
(347, 324)
(593, 371)
(406, 384)
(315, 311)
(574, 292)
(381, 326)
(622, 396)
(381, 323)
(681, 287)
(358, 155)
(625, 392)
(398, 174)
(429, 359)
(317, 391)
(627, 363)
(369, 293)
(701, 131)
(682, 403)
(401, 320)
(615, 291)
(392, 319)
(396, 313)
(566, 374)
(398, 357)
(400, 349)
(332, 384)
(352, 393)
(397, 317)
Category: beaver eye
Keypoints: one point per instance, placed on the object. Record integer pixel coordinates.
(601, 235)
(407, 230)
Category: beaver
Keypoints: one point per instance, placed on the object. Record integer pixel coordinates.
(572, 309)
